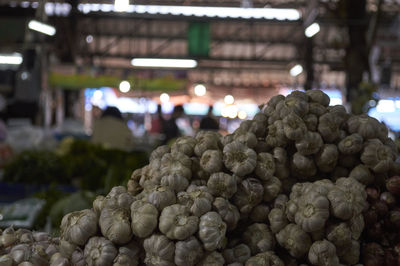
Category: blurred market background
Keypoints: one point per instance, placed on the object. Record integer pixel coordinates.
(161, 65)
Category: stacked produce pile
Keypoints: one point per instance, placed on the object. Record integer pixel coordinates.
(286, 188)
(382, 238)
(26, 248)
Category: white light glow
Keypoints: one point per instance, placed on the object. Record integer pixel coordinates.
(24, 75)
(164, 97)
(232, 111)
(312, 30)
(200, 90)
(124, 86)
(335, 101)
(160, 62)
(88, 107)
(386, 106)
(242, 115)
(198, 11)
(89, 38)
(11, 59)
(372, 103)
(97, 95)
(228, 99)
(224, 112)
(42, 27)
(121, 5)
(296, 70)
(397, 104)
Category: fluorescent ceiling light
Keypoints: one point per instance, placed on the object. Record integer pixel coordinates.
(198, 11)
(11, 59)
(42, 27)
(312, 30)
(121, 5)
(160, 62)
(296, 70)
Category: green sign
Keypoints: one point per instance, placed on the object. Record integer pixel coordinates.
(82, 81)
(199, 39)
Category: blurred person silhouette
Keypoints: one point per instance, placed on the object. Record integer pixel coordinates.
(157, 122)
(209, 122)
(111, 130)
(170, 129)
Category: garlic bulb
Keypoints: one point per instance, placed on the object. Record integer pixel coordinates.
(144, 218)
(323, 253)
(206, 140)
(228, 212)
(240, 159)
(115, 225)
(312, 212)
(247, 138)
(272, 188)
(6, 260)
(276, 136)
(277, 219)
(159, 251)
(265, 167)
(328, 127)
(184, 145)
(58, 260)
(212, 259)
(98, 204)
(249, 194)
(310, 143)
(197, 198)
(161, 197)
(8, 237)
(294, 127)
(318, 97)
(175, 181)
(259, 238)
(177, 223)
(21, 253)
(212, 231)
(66, 248)
(351, 144)
(128, 255)
(265, 258)
(159, 152)
(222, 185)
(239, 254)
(339, 235)
(78, 227)
(78, 258)
(188, 252)
(99, 251)
(211, 161)
(259, 214)
(295, 240)
(176, 163)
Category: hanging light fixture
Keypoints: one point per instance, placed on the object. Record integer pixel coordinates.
(41, 27)
(296, 70)
(200, 90)
(164, 97)
(228, 99)
(124, 86)
(163, 62)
